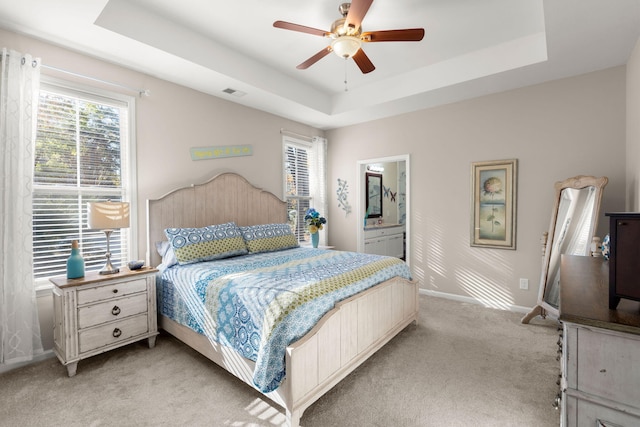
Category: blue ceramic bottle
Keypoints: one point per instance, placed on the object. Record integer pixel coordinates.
(75, 263)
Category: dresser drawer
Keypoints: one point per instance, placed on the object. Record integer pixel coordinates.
(585, 413)
(607, 365)
(100, 293)
(119, 308)
(112, 333)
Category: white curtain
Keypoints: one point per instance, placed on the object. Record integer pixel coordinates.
(19, 89)
(319, 181)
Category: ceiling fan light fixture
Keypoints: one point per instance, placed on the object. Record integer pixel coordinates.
(347, 37)
(346, 46)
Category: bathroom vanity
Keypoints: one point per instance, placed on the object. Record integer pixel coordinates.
(385, 239)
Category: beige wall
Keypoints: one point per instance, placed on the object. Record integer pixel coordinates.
(556, 130)
(633, 130)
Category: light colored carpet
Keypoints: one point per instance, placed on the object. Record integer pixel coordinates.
(462, 365)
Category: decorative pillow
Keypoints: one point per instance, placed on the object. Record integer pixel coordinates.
(207, 243)
(268, 237)
(165, 250)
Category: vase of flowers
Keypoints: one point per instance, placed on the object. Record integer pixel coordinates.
(314, 222)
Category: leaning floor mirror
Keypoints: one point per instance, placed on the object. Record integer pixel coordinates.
(573, 224)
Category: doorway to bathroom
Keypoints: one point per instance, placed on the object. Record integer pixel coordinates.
(389, 202)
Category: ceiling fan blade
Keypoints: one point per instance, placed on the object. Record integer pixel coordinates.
(315, 58)
(408, 35)
(357, 11)
(300, 28)
(363, 62)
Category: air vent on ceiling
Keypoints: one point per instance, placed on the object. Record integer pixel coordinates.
(234, 92)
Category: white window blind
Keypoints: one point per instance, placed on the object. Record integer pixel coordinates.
(81, 155)
(304, 181)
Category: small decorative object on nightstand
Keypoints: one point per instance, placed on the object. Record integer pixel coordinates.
(135, 265)
(98, 313)
(75, 263)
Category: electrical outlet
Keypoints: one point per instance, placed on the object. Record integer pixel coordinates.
(524, 283)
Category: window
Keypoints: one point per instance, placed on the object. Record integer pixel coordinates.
(82, 154)
(304, 181)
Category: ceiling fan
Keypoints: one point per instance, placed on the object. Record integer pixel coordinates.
(347, 35)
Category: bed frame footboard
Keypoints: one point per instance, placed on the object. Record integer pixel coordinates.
(341, 341)
(344, 338)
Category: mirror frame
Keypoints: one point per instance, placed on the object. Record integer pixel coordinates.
(370, 177)
(577, 182)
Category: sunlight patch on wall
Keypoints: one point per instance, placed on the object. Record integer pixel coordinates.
(418, 239)
(484, 290)
(446, 262)
(453, 266)
(417, 247)
(486, 274)
(435, 253)
(418, 274)
(494, 259)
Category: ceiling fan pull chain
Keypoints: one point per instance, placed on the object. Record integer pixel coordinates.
(346, 89)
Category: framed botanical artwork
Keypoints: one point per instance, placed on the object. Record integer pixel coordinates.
(493, 201)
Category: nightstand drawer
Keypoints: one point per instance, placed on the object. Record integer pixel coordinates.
(111, 333)
(100, 293)
(107, 311)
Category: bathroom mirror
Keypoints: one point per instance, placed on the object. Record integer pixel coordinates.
(574, 220)
(374, 195)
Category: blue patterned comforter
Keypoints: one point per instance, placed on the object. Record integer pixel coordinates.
(259, 304)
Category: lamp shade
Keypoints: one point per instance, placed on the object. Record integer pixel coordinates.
(107, 215)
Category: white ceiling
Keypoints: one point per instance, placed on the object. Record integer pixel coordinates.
(471, 48)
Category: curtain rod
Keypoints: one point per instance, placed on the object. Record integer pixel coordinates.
(140, 92)
(295, 135)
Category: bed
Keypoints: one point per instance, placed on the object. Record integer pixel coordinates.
(364, 317)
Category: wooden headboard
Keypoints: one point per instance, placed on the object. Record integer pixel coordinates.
(225, 197)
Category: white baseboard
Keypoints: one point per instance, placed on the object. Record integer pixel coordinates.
(40, 357)
(484, 303)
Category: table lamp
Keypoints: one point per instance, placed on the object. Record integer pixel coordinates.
(107, 216)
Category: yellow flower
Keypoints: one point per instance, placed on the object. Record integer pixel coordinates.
(320, 227)
(313, 229)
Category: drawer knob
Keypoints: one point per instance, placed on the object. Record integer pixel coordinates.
(115, 291)
(115, 310)
(117, 332)
(557, 401)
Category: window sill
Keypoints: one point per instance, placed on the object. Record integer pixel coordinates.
(43, 290)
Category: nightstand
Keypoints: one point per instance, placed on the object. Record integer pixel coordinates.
(98, 313)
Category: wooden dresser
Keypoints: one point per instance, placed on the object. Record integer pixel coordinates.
(98, 313)
(600, 348)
